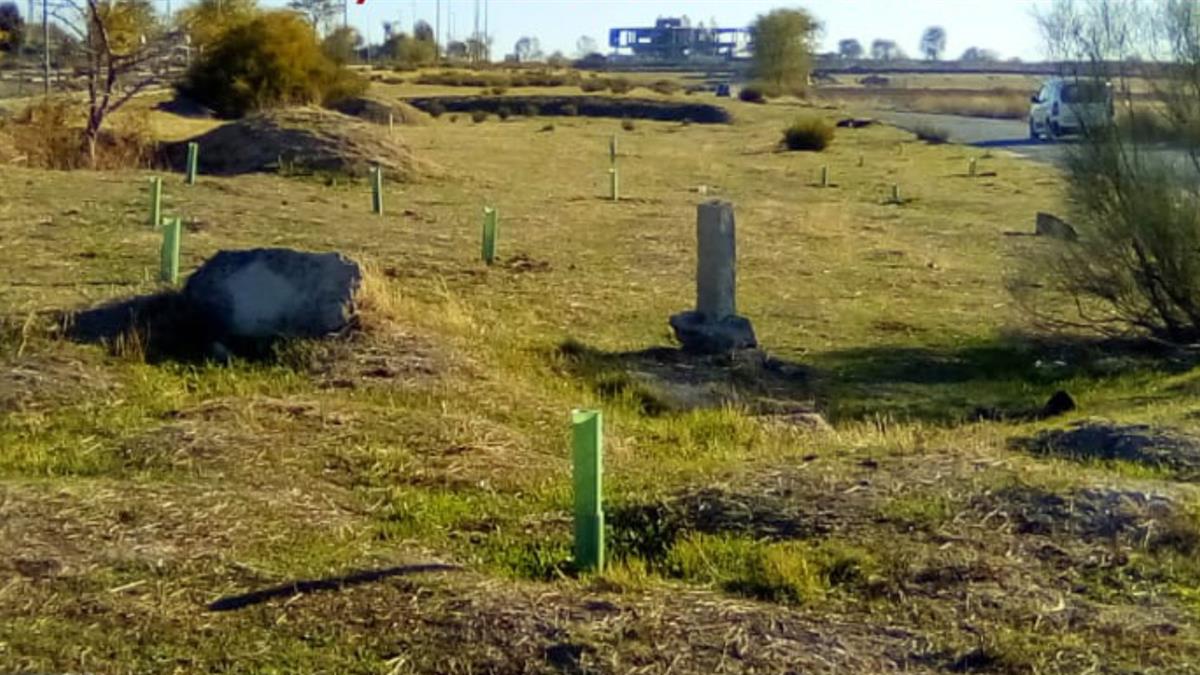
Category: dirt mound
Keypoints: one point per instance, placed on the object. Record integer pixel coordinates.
(1139, 443)
(304, 139)
(376, 110)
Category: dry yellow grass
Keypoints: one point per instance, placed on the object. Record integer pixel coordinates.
(225, 513)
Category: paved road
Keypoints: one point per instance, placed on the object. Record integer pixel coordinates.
(1011, 135)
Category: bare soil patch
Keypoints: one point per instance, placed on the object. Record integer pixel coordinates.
(1138, 443)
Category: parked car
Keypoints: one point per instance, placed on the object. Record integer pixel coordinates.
(1065, 107)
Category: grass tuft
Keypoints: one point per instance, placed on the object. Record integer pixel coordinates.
(808, 133)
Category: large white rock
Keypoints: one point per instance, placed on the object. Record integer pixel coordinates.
(270, 293)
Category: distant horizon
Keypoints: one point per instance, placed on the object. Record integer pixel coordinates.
(558, 24)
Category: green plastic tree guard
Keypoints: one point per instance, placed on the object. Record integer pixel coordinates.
(824, 176)
(193, 160)
(377, 191)
(490, 226)
(614, 185)
(973, 168)
(588, 461)
(612, 150)
(896, 194)
(169, 264)
(156, 201)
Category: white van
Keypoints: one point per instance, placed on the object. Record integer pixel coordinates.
(1065, 107)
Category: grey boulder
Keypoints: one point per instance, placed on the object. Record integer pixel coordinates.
(700, 335)
(1050, 225)
(269, 293)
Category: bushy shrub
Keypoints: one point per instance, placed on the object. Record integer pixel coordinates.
(499, 91)
(459, 78)
(1132, 270)
(627, 124)
(274, 60)
(531, 110)
(453, 119)
(592, 85)
(752, 94)
(504, 112)
(620, 85)
(667, 87)
(436, 109)
(570, 110)
(49, 135)
(808, 133)
(541, 78)
(479, 117)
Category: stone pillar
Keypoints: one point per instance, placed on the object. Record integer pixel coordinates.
(716, 260)
(714, 327)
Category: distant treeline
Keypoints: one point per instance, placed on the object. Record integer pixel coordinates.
(835, 65)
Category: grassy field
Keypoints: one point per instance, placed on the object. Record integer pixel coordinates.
(398, 501)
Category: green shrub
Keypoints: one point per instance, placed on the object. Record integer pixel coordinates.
(436, 109)
(627, 124)
(808, 133)
(453, 119)
(504, 112)
(479, 117)
(620, 85)
(499, 91)
(752, 94)
(531, 110)
(274, 60)
(570, 110)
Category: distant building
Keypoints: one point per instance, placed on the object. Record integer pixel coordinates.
(673, 39)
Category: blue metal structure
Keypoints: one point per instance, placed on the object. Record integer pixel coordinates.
(671, 40)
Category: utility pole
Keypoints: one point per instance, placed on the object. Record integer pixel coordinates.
(476, 52)
(345, 13)
(487, 39)
(437, 21)
(46, 47)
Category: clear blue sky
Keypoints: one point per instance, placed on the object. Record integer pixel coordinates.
(1005, 26)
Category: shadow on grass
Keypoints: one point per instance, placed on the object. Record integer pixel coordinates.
(234, 602)
(1005, 378)
(663, 380)
(1009, 377)
(158, 326)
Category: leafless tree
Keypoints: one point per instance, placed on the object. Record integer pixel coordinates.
(119, 39)
(1134, 269)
